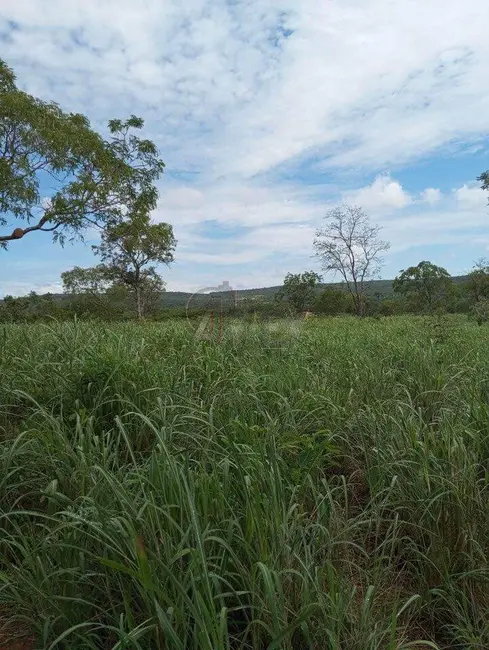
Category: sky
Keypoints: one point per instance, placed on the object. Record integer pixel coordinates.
(268, 113)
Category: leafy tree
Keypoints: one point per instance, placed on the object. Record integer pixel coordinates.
(94, 280)
(96, 182)
(350, 245)
(332, 301)
(29, 308)
(458, 298)
(484, 180)
(13, 309)
(389, 307)
(480, 312)
(429, 285)
(299, 290)
(128, 252)
(93, 294)
(477, 284)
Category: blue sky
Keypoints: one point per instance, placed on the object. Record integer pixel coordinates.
(267, 113)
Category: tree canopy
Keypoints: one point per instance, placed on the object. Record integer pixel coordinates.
(97, 181)
(332, 301)
(477, 282)
(299, 289)
(484, 180)
(427, 283)
(129, 251)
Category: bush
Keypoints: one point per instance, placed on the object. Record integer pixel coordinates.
(332, 302)
(480, 312)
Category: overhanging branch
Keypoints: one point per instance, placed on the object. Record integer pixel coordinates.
(18, 233)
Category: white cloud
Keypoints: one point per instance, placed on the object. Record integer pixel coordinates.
(230, 90)
(384, 193)
(225, 90)
(237, 203)
(471, 197)
(431, 195)
(23, 288)
(287, 243)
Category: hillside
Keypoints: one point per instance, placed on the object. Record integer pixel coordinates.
(181, 298)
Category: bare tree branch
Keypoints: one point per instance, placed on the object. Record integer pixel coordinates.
(350, 245)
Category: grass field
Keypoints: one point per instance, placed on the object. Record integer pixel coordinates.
(321, 484)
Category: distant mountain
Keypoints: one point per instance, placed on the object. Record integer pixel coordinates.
(181, 298)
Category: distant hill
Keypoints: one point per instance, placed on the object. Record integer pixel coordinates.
(181, 298)
(383, 287)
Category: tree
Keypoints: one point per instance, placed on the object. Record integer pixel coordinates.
(429, 285)
(477, 284)
(299, 289)
(350, 245)
(458, 298)
(484, 180)
(29, 308)
(97, 294)
(96, 182)
(480, 312)
(332, 302)
(92, 289)
(128, 251)
(94, 280)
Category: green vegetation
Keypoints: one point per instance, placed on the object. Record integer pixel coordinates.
(319, 484)
(91, 295)
(426, 285)
(233, 485)
(299, 290)
(129, 251)
(93, 182)
(332, 302)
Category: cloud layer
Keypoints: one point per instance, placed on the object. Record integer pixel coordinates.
(240, 95)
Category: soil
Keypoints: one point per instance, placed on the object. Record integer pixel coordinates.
(12, 639)
(16, 645)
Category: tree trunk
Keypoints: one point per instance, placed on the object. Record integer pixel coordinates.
(359, 304)
(139, 305)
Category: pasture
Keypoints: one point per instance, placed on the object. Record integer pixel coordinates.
(301, 485)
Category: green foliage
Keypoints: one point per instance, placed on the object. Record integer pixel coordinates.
(94, 280)
(127, 249)
(305, 484)
(29, 308)
(332, 302)
(96, 181)
(426, 284)
(484, 180)
(299, 290)
(93, 293)
(390, 307)
(477, 283)
(479, 312)
(136, 242)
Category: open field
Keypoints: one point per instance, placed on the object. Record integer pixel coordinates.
(319, 484)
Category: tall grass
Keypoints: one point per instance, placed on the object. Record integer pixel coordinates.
(309, 486)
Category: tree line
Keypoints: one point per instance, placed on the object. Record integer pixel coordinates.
(107, 185)
(351, 247)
